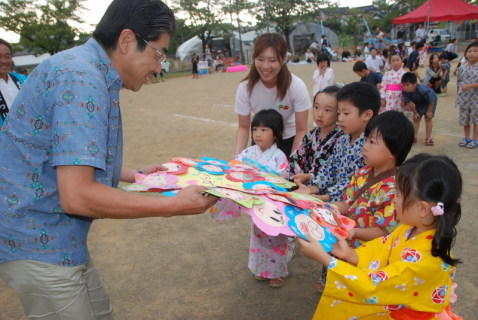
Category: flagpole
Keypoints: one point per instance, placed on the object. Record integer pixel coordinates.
(428, 18)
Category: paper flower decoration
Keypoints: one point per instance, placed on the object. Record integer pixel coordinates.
(170, 193)
(242, 176)
(211, 168)
(277, 180)
(303, 224)
(263, 186)
(311, 201)
(175, 167)
(326, 215)
(238, 165)
(269, 217)
(292, 211)
(282, 197)
(329, 216)
(186, 161)
(136, 187)
(158, 180)
(259, 166)
(214, 161)
(239, 197)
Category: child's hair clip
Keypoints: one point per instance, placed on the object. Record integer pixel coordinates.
(439, 209)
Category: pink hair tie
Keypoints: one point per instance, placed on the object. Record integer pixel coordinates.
(438, 210)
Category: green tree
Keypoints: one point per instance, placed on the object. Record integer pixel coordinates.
(235, 9)
(203, 16)
(284, 14)
(183, 33)
(353, 26)
(42, 26)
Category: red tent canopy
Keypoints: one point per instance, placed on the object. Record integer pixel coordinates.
(440, 10)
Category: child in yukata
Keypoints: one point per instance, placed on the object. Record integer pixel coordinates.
(391, 89)
(268, 255)
(318, 144)
(467, 96)
(369, 197)
(358, 103)
(422, 101)
(407, 274)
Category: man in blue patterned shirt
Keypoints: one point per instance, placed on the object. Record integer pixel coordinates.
(61, 161)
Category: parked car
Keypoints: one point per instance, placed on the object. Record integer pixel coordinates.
(438, 37)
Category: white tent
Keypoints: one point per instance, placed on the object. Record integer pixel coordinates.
(186, 50)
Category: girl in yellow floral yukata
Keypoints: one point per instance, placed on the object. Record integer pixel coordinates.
(407, 274)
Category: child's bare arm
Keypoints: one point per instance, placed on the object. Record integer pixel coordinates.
(302, 177)
(342, 206)
(469, 86)
(315, 251)
(306, 189)
(367, 234)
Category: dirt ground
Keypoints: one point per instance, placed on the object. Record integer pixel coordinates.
(196, 268)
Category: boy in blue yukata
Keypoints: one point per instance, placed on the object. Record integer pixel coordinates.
(358, 103)
(422, 101)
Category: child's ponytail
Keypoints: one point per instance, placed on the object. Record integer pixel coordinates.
(437, 180)
(446, 233)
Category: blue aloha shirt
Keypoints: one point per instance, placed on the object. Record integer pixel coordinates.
(67, 113)
(334, 176)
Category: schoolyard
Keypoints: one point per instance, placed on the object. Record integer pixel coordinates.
(196, 268)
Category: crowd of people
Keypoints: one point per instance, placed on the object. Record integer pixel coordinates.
(405, 210)
(354, 159)
(386, 68)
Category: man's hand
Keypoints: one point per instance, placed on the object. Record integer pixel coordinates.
(153, 168)
(193, 200)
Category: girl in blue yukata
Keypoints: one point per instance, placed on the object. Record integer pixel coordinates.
(409, 273)
(268, 255)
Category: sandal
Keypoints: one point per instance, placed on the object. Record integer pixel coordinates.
(472, 144)
(429, 142)
(465, 142)
(259, 278)
(277, 282)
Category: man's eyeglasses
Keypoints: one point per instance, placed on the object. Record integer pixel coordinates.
(161, 57)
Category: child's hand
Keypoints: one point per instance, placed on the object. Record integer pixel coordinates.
(351, 234)
(342, 250)
(153, 168)
(302, 177)
(313, 250)
(302, 188)
(465, 87)
(429, 115)
(416, 117)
